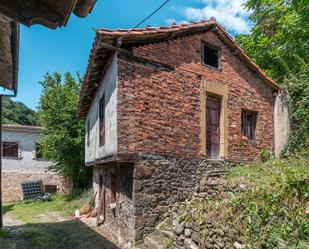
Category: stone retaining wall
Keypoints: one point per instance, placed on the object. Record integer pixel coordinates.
(163, 182)
(11, 183)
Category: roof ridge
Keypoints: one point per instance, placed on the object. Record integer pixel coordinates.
(172, 27)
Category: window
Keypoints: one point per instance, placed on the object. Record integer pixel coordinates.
(102, 121)
(52, 189)
(10, 149)
(210, 55)
(38, 151)
(113, 186)
(88, 133)
(248, 124)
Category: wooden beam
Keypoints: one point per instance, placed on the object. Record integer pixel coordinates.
(123, 53)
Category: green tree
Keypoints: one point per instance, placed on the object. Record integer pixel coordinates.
(279, 35)
(63, 136)
(279, 43)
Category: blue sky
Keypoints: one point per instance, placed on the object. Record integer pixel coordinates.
(67, 48)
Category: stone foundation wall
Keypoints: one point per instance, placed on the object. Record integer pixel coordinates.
(11, 183)
(120, 218)
(163, 182)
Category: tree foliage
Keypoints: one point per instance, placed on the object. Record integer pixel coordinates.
(63, 136)
(18, 113)
(279, 43)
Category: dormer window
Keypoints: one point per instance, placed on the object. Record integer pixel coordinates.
(210, 55)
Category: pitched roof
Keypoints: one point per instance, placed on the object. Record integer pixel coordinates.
(21, 127)
(107, 41)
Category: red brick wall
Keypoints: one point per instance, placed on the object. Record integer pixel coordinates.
(159, 111)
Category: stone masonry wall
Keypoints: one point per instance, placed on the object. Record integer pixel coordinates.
(159, 111)
(11, 183)
(119, 219)
(161, 183)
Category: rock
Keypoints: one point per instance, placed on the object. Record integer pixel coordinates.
(156, 242)
(190, 244)
(195, 237)
(208, 245)
(188, 232)
(220, 244)
(167, 234)
(242, 187)
(220, 232)
(181, 237)
(237, 245)
(178, 227)
(188, 224)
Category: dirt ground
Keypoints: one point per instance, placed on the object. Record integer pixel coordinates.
(53, 230)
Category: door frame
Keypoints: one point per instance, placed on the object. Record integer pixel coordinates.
(219, 90)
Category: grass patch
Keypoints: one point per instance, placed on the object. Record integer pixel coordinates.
(27, 211)
(272, 213)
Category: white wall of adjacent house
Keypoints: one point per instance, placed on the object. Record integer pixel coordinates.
(24, 165)
(281, 124)
(26, 160)
(108, 88)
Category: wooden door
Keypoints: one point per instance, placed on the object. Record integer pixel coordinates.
(212, 127)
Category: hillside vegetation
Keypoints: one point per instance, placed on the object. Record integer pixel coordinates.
(266, 206)
(18, 113)
(279, 43)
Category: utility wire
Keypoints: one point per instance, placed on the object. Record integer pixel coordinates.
(146, 18)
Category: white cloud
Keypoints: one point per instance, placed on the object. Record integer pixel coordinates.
(171, 21)
(230, 13)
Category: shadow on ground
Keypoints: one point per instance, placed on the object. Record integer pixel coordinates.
(7, 208)
(60, 235)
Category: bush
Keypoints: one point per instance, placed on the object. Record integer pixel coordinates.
(265, 155)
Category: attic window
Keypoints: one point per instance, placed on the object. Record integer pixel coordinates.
(210, 55)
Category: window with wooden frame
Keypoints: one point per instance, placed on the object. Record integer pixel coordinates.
(88, 133)
(10, 149)
(113, 187)
(210, 55)
(248, 124)
(102, 121)
(38, 151)
(52, 189)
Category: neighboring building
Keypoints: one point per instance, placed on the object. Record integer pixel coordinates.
(162, 104)
(23, 161)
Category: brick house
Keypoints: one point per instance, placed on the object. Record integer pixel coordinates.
(163, 103)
